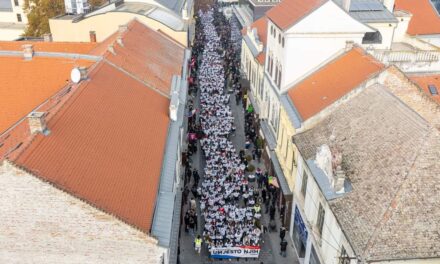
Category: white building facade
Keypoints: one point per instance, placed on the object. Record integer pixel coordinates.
(13, 19)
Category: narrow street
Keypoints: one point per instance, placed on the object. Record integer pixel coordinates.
(269, 240)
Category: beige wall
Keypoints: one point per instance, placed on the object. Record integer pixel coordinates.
(104, 25)
(286, 151)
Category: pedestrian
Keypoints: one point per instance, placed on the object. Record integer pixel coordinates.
(283, 247)
(282, 233)
(272, 212)
(198, 244)
(186, 220)
(193, 203)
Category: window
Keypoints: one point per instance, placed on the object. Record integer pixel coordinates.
(372, 38)
(293, 160)
(268, 63)
(279, 77)
(19, 18)
(276, 73)
(279, 38)
(287, 148)
(282, 43)
(271, 67)
(320, 220)
(433, 89)
(16, 2)
(304, 185)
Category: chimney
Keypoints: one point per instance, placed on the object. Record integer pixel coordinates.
(37, 123)
(28, 51)
(92, 35)
(122, 28)
(47, 37)
(174, 103)
(349, 45)
(111, 49)
(346, 5)
(339, 180)
(119, 41)
(83, 71)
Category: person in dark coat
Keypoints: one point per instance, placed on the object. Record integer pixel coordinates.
(282, 233)
(283, 247)
(186, 220)
(272, 212)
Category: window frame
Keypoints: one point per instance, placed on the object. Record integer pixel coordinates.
(305, 178)
(320, 219)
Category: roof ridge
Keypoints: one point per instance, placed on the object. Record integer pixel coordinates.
(137, 79)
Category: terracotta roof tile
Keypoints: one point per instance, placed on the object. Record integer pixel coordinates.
(423, 81)
(261, 26)
(333, 81)
(106, 146)
(261, 58)
(289, 12)
(143, 50)
(67, 47)
(26, 84)
(425, 20)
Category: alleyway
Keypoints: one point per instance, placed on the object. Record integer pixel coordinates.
(270, 241)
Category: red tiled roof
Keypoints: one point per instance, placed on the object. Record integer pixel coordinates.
(261, 26)
(143, 49)
(26, 84)
(261, 58)
(289, 12)
(334, 80)
(66, 47)
(106, 146)
(425, 20)
(424, 80)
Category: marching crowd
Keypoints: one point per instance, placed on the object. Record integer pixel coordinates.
(230, 202)
(228, 221)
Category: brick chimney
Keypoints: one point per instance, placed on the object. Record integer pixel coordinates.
(111, 49)
(37, 122)
(28, 51)
(339, 180)
(349, 45)
(92, 35)
(47, 37)
(346, 5)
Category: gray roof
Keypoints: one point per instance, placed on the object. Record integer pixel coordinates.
(268, 134)
(167, 204)
(369, 11)
(170, 18)
(175, 5)
(391, 156)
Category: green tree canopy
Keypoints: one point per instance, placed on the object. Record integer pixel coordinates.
(38, 13)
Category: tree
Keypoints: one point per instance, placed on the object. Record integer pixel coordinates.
(38, 13)
(97, 3)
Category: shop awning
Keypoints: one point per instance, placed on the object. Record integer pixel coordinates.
(280, 175)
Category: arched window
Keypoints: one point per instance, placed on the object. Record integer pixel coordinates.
(282, 43)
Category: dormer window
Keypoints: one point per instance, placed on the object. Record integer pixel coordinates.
(432, 89)
(372, 38)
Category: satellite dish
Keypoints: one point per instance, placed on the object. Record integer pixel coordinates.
(75, 75)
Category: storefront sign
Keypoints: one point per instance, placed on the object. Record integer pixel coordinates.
(235, 252)
(302, 230)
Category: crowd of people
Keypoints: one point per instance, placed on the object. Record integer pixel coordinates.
(230, 193)
(229, 218)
